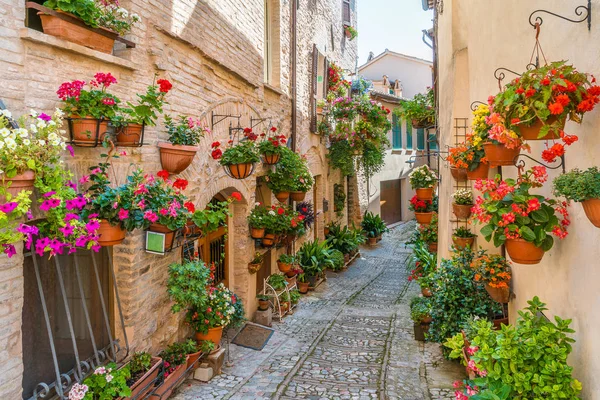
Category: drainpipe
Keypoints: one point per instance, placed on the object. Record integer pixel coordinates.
(294, 45)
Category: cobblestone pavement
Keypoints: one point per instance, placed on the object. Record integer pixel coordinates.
(352, 338)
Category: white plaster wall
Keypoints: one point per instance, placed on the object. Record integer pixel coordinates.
(414, 75)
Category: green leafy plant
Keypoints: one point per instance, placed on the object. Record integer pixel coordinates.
(287, 259)
(173, 356)
(420, 308)
(342, 239)
(86, 10)
(340, 157)
(463, 197)
(105, 383)
(351, 32)
(295, 296)
(214, 215)
(187, 285)
(422, 265)
(243, 152)
(463, 232)
(372, 225)
(314, 257)
(146, 109)
(277, 281)
(140, 363)
(291, 174)
(578, 185)
(257, 258)
(420, 108)
(422, 177)
(107, 14)
(339, 199)
(185, 131)
(337, 259)
(206, 346)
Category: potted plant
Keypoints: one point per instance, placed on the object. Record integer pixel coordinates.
(423, 210)
(425, 264)
(373, 227)
(270, 147)
(429, 233)
(131, 121)
(582, 187)
(463, 238)
(463, 201)
(107, 17)
(303, 183)
(420, 310)
(294, 272)
(420, 110)
(144, 369)
(494, 271)
(303, 284)
(474, 153)
(290, 175)
(284, 263)
(263, 302)
(174, 363)
(423, 180)
(313, 257)
(238, 159)
(258, 221)
(107, 382)
(503, 145)
(458, 157)
(184, 136)
(256, 263)
(190, 348)
(209, 320)
(338, 260)
(277, 282)
(285, 304)
(89, 111)
(522, 220)
(321, 104)
(294, 296)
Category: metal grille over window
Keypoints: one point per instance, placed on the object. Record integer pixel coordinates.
(69, 329)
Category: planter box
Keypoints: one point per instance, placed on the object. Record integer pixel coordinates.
(419, 333)
(145, 384)
(170, 383)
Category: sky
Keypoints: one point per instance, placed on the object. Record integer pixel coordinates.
(392, 24)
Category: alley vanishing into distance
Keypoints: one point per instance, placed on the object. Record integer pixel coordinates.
(352, 338)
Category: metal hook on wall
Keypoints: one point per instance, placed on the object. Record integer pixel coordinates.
(581, 11)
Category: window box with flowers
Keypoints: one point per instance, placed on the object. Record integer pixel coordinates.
(238, 159)
(93, 24)
(270, 148)
(423, 210)
(584, 187)
(462, 237)
(423, 180)
(494, 271)
(107, 382)
(463, 201)
(512, 215)
(184, 136)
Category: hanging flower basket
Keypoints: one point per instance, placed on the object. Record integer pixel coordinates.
(592, 211)
(459, 174)
(271, 159)
(298, 196)
(424, 218)
(481, 172)
(169, 234)
(254, 268)
(425, 194)
(501, 295)
(176, 158)
(282, 196)
(131, 135)
(500, 155)
(19, 182)
(462, 211)
(257, 233)
(532, 132)
(524, 252)
(462, 243)
(110, 235)
(240, 171)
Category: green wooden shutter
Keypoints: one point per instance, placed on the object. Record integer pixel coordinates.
(396, 132)
(420, 139)
(432, 142)
(409, 135)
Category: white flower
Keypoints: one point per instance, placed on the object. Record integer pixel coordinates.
(109, 377)
(257, 204)
(4, 132)
(123, 12)
(51, 123)
(271, 212)
(58, 113)
(22, 132)
(1, 144)
(26, 142)
(41, 124)
(42, 142)
(52, 136)
(33, 128)
(11, 144)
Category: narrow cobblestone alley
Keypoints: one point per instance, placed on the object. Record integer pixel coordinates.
(352, 338)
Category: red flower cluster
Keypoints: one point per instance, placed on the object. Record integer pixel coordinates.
(419, 205)
(236, 196)
(189, 206)
(250, 134)
(104, 80)
(163, 174)
(164, 85)
(180, 184)
(216, 154)
(70, 89)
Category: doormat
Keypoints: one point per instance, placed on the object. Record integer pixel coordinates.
(253, 336)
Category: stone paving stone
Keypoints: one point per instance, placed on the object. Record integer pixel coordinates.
(351, 338)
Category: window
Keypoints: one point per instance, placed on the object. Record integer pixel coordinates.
(409, 144)
(420, 139)
(318, 88)
(396, 132)
(272, 43)
(432, 142)
(346, 15)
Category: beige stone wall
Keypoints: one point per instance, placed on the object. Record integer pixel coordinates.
(475, 38)
(212, 52)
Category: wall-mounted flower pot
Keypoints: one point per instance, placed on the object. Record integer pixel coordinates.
(87, 131)
(257, 233)
(524, 252)
(433, 247)
(462, 243)
(175, 158)
(270, 159)
(169, 234)
(532, 132)
(424, 218)
(462, 211)
(459, 174)
(298, 196)
(347, 32)
(501, 295)
(303, 287)
(284, 267)
(592, 211)
(500, 155)
(282, 196)
(481, 172)
(110, 235)
(213, 334)
(19, 183)
(254, 268)
(144, 384)
(131, 135)
(240, 171)
(268, 240)
(425, 194)
(83, 36)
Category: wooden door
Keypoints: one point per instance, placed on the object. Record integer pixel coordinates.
(212, 248)
(390, 200)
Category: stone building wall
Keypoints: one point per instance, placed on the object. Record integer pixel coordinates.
(212, 52)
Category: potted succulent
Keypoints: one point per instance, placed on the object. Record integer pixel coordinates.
(89, 111)
(263, 302)
(107, 382)
(494, 271)
(256, 263)
(423, 210)
(270, 148)
(373, 227)
(106, 21)
(209, 320)
(184, 136)
(423, 180)
(258, 221)
(582, 187)
(144, 369)
(522, 220)
(420, 110)
(463, 238)
(174, 363)
(284, 263)
(463, 201)
(238, 159)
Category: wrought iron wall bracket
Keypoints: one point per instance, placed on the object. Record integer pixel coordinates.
(216, 119)
(521, 163)
(255, 121)
(585, 14)
(475, 104)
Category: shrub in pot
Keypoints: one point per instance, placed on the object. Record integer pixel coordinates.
(582, 187)
(495, 272)
(209, 320)
(258, 221)
(174, 363)
(290, 175)
(263, 302)
(423, 180)
(463, 201)
(463, 238)
(184, 136)
(238, 158)
(277, 281)
(373, 226)
(284, 263)
(337, 259)
(314, 257)
(303, 283)
(350, 32)
(522, 220)
(423, 264)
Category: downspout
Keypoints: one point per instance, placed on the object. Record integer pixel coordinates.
(294, 45)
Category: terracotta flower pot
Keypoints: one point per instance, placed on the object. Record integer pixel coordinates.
(282, 196)
(240, 171)
(85, 129)
(214, 335)
(268, 240)
(424, 218)
(257, 233)
(169, 234)
(462, 211)
(130, 135)
(77, 34)
(426, 292)
(19, 182)
(592, 211)
(532, 132)
(459, 174)
(191, 359)
(284, 307)
(263, 305)
(462, 243)
(347, 33)
(499, 321)
(298, 196)
(170, 383)
(500, 155)
(425, 194)
(326, 231)
(142, 386)
(270, 159)
(175, 158)
(319, 109)
(481, 172)
(284, 267)
(427, 319)
(254, 268)
(291, 273)
(291, 281)
(303, 287)
(432, 247)
(524, 252)
(501, 295)
(110, 235)
(372, 241)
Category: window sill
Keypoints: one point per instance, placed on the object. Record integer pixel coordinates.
(273, 89)
(34, 36)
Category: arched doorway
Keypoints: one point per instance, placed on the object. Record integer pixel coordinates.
(212, 248)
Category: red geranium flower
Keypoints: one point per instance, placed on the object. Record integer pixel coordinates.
(530, 92)
(165, 85)
(273, 129)
(216, 154)
(163, 174)
(237, 196)
(180, 184)
(280, 211)
(215, 144)
(563, 99)
(190, 206)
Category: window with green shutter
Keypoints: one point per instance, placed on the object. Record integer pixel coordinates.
(396, 132)
(420, 139)
(409, 135)
(432, 142)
